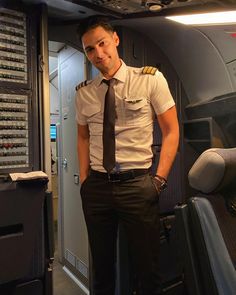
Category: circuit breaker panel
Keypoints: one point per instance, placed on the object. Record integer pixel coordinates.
(13, 46)
(18, 98)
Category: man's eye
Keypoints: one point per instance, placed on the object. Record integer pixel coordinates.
(102, 43)
(88, 50)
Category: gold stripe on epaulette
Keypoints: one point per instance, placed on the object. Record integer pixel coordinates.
(149, 70)
(153, 71)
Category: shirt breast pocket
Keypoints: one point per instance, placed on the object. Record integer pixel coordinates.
(135, 110)
(91, 111)
(94, 119)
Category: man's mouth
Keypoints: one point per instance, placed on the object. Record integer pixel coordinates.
(101, 61)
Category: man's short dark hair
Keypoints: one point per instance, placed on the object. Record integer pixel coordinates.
(93, 22)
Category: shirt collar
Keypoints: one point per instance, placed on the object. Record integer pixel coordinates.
(120, 75)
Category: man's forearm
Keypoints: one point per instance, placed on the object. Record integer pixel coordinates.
(167, 154)
(83, 156)
(170, 140)
(83, 152)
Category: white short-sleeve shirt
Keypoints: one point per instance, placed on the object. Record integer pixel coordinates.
(138, 97)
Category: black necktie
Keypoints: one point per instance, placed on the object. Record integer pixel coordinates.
(109, 127)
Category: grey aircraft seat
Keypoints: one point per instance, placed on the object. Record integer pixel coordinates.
(207, 225)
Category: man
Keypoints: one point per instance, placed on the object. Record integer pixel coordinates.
(126, 192)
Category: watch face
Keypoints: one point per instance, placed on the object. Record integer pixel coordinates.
(163, 185)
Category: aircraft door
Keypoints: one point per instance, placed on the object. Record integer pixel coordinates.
(72, 230)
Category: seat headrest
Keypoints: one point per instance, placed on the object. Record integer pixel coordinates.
(214, 170)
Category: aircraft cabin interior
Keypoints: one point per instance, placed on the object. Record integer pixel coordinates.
(44, 247)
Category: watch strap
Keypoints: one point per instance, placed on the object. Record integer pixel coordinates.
(162, 182)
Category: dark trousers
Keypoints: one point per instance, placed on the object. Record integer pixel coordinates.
(134, 204)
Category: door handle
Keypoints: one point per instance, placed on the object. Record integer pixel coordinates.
(64, 163)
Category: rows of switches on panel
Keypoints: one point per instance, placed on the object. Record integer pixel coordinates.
(13, 130)
(13, 47)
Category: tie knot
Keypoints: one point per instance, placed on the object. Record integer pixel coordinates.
(109, 82)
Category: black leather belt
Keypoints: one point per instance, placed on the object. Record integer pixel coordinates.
(120, 176)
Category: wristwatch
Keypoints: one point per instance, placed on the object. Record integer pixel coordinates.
(161, 182)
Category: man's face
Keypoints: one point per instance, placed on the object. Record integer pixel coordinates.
(100, 47)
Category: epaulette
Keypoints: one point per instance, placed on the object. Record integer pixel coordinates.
(82, 84)
(149, 70)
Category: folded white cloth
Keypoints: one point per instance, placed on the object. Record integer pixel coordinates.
(28, 175)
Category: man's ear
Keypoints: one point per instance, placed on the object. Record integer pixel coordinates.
(116, 39)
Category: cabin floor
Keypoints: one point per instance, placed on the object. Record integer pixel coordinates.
(62, 283)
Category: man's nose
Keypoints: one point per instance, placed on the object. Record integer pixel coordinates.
(98, 52)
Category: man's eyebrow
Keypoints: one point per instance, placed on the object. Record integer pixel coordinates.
(88, 48)
(91, 46)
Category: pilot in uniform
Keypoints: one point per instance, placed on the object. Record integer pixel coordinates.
(131, 197)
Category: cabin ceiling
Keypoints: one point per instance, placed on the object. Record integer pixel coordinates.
(74, 10)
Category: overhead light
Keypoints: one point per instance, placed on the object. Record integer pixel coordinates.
(155, 7)
(214, 18)
(152, 5)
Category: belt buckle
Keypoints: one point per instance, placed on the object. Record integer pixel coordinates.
(111, 179)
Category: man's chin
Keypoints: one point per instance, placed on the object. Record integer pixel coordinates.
(102, 68)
